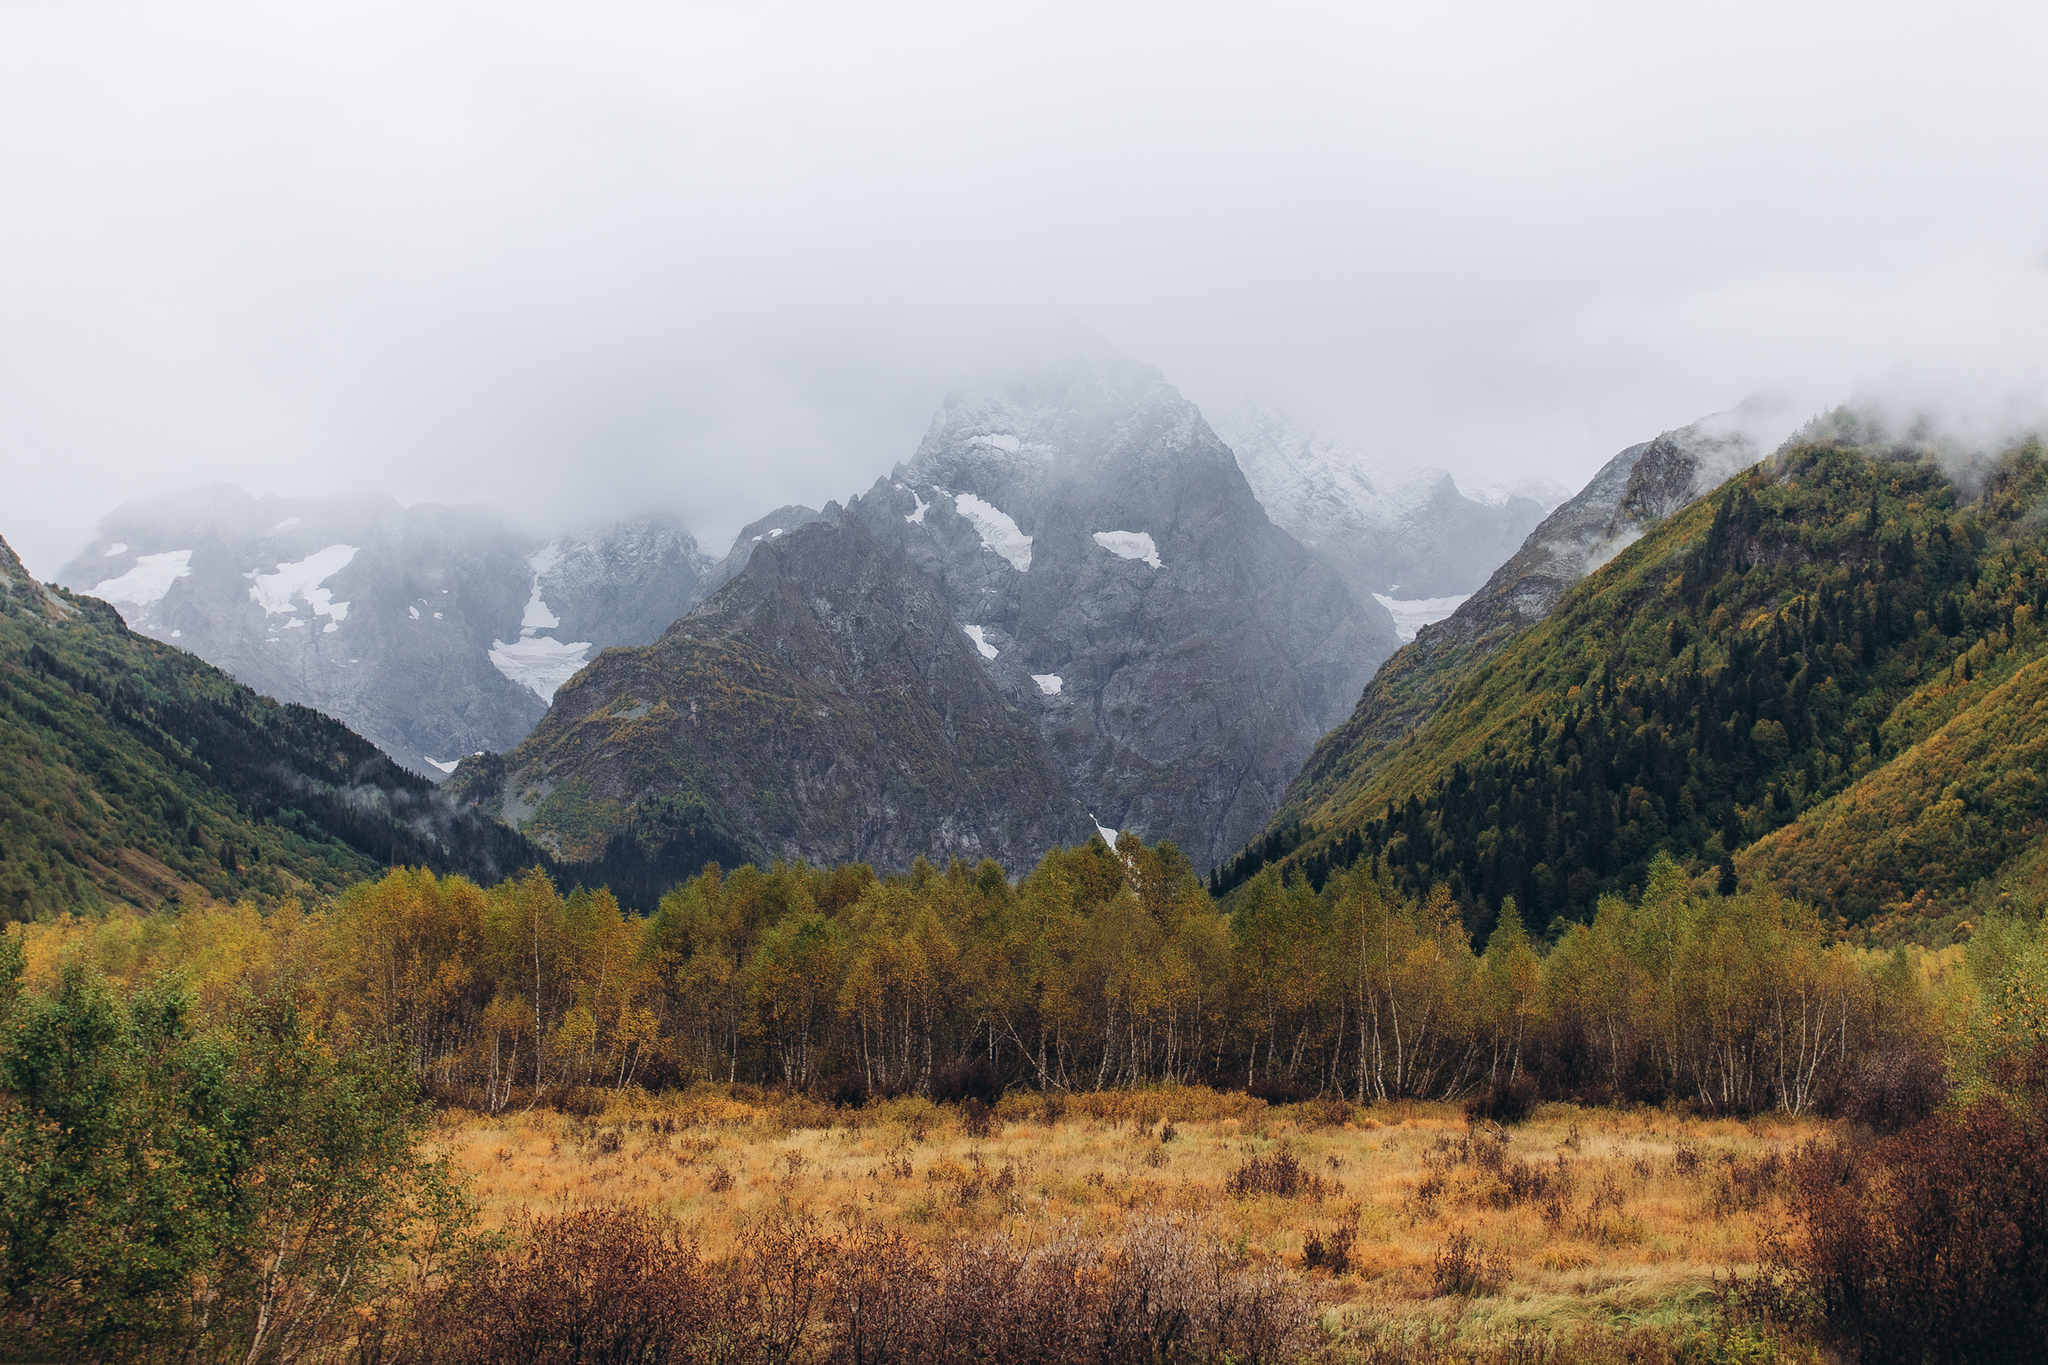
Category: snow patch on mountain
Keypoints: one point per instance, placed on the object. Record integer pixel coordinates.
(1004, 443)
(1108, 834)
(1049, 683)
(301, 580)
(1412, 614)
(998, 530)
(146, 583)
(539, 662)
(1129, 545)
(537, 616)
(119, 547)
(444, 767)
(988, 651)
(1398, 523)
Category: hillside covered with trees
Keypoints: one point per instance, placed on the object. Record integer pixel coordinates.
(1839, 639)
(131, 771)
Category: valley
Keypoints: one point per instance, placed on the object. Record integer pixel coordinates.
(1047, 855)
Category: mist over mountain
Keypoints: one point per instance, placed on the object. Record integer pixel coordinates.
(1823, 673)
(434, 631)
(132, 773)
(1107, 571)
(1405, 535)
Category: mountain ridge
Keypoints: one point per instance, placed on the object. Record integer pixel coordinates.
(1108, 569)
(134, 771)
(436, 631)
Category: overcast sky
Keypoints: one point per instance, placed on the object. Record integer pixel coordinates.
(578, 260)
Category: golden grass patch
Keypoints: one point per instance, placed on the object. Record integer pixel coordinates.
(1588, 1215)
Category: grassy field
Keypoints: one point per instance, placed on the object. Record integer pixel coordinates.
(1577, 1218)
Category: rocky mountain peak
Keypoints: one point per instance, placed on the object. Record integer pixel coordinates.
(1075, 553)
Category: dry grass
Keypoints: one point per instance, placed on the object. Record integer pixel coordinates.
(1577, 1218)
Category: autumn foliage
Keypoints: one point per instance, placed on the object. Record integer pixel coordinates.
(1099, 970)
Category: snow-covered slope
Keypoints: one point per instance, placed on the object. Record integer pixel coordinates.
(434, 631)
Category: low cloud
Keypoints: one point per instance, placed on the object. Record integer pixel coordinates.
(578, 262)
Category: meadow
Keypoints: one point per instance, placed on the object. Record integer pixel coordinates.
(1404, 1217)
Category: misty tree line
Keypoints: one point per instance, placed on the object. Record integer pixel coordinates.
(1114, 968)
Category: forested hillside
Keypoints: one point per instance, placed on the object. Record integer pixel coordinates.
(130, 770)
(1845, 621)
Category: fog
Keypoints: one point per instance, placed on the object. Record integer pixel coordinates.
(579, 261)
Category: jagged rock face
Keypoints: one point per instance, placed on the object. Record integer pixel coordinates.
(1126, 637)
(824, 704)
(433, 631)
(1634, 490)
(1179, 652)
(1409, 535)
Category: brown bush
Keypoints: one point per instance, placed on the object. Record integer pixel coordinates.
(972, 1079)
(1279, 1174)
(1527, 1182)
(597, 1285)
(1737, 1184)
(1322, 1113)
(1892, 1088)
(1461, 1266)
(1931, 1245)
(614, 1285)
(977, 1120)
(1278, 1091)
(1332, 1253)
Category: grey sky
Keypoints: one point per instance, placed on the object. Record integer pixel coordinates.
(577, 261)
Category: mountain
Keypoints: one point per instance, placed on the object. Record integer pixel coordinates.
(758, 532)
(435, 631)
(1632, 492)
(1115, 595)
(1417, 707)
(823, 707)
(1408, 537)
(130, 770)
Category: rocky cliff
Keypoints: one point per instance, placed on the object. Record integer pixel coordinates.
(1406, 535)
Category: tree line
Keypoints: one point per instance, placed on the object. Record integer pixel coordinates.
(1098, 969)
